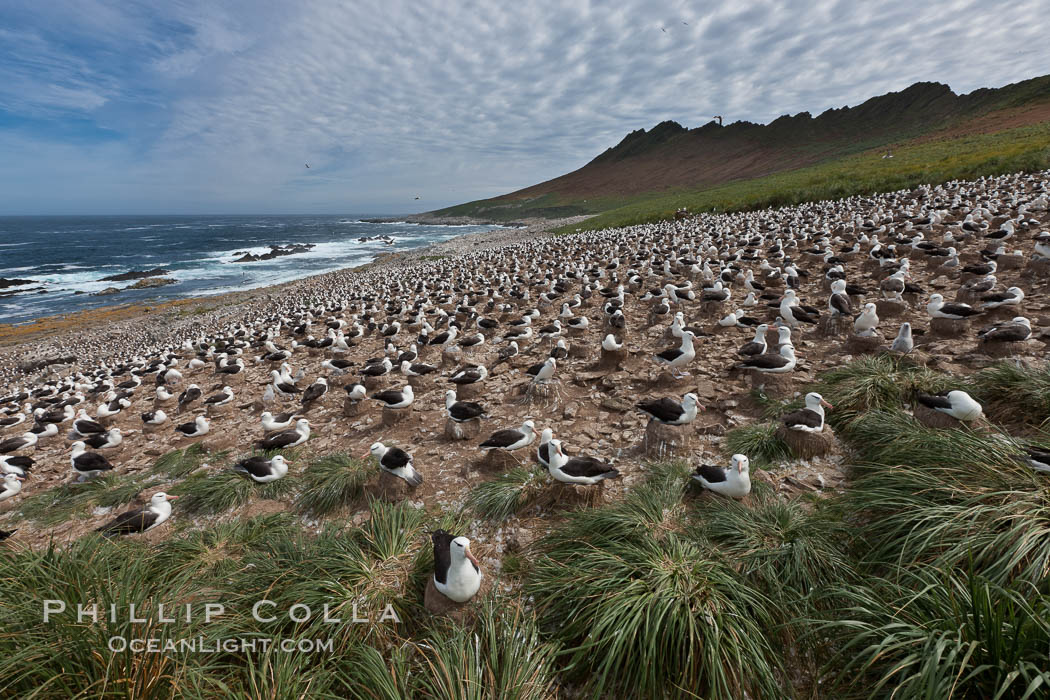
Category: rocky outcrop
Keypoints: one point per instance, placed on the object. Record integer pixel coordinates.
(151, 282)
(276, 251)
(135, 275)
(107, 291)
(5, 283)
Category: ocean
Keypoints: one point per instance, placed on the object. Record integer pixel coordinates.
(69, 255)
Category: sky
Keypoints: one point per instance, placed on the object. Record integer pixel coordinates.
(187, 106)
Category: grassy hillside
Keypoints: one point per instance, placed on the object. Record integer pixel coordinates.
(934, 133)
(915, 163)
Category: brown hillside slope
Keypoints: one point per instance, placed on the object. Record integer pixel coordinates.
(669, 156)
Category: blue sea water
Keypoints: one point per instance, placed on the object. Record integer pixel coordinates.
(67, 254)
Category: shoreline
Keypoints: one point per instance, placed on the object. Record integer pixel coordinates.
(425, 218)
(24, 346)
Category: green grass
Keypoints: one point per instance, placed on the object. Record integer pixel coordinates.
(914, 163)
(645, 608)
(941, 634)
(178, 463)
(385, 561)
(511, 492)
(333, 482)
(949, 497)
(875, 383)
(925, 578)
(78, 499)
(759, 442)
(790, 550)
(1011, 390)
(218, 491)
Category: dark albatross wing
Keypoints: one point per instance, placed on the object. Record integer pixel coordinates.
(669, 355)
(314, 392)
(389, 396)
(442, 554)
(933, 401)
(132, 521)
(92, 461)
(766, 361)
(664, 409)
(87, 427)
(752, 348)
(711, 474)
(806, 417)
(278, 440)
(840, 302)
(589, 467)
(256, 466)
(395, 458)
(466, 410)
(503, 438)
(962, 310)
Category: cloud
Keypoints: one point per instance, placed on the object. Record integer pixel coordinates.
(219, 109)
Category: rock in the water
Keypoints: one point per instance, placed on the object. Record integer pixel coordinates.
(151, 282)
(136, 275)
(5, 283)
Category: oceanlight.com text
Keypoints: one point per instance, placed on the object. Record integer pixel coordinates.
(199, 645)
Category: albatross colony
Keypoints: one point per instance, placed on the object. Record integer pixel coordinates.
(305, 359)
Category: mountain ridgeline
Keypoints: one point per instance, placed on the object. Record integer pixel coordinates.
(669, 158)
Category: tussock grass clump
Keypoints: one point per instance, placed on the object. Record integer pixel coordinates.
(66, 658)
(356, 573)
(773, 407)
(645, 609)
(178, 463)
(219, 491)
(935, 634)
(499, 655)
(895, 437)
(218, 550)
(787, 548)
(875, 383)
(951, 497)
(1014, 391)
(333, 482)
(509, 493)
(759, 441)
(61, 503)
(919, 516)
